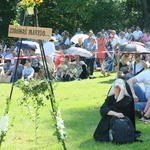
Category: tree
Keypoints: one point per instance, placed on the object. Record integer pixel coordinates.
(7, 13)
(146, 12)
(67, 14)
(86, 14)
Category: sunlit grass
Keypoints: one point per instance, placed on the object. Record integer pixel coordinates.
(79, 102)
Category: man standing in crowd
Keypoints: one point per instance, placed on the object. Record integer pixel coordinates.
(116, 41)
(90, 44)
(137, 34)
(58, 37)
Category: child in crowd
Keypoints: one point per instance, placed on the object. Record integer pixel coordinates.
(72, 73)
(7, 65)
(61, 70)
(28, 71)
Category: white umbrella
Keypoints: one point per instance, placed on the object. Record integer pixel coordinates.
(78, 51)
(75, 38)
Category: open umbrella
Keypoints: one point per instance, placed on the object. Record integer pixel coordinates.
(78, 51)
(75, 38)
(29, 45)
(133, 48)
(134, 42)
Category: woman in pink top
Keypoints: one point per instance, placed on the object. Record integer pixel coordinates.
(101, 50)
(146, 38)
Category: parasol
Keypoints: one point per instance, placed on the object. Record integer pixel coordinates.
(133, 48)
(29, 45)
(75, 38)
(78, 51)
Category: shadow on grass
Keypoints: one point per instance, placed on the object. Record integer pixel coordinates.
(90, 144)
(110, 81)
(80, 125)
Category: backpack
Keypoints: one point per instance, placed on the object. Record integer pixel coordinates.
(121, 130)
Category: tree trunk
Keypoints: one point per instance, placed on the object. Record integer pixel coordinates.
(146, 12)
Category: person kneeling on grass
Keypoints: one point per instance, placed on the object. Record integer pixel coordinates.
(119, 102)
(28, 71)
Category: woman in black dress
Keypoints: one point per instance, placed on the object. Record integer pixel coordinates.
(119, 102)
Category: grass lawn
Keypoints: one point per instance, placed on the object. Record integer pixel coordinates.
(79, 102)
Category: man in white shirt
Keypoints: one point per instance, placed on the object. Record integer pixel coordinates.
(58, 38)
(49, 49)
(122, 38)
(116, 42)
(137, 34)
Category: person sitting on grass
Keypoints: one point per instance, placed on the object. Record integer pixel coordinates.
(28, 71)
(137, 66)
(72, 73)
(35, 63)
(81, 67)
(61, 70)
(7, 65)
(119, 102)
(11, 71)
(124, 65)
(141, 96)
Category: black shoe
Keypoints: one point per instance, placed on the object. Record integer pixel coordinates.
(139, 113)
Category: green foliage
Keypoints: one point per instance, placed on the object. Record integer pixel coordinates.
(86, 14)
(7, 13)
(33, 99)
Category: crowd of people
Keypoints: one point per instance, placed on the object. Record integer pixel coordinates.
(103, 47)
(132, 69)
